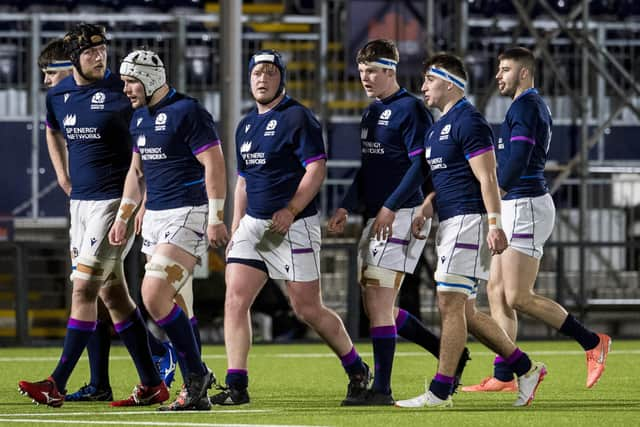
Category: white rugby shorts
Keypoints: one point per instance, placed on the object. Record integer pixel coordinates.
(528, 223)
(184, 227)
(462, 249)
(401, 251)
(91, 221)
(294, 256)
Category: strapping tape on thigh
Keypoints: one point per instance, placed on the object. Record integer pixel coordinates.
(163, 267)
(378, 276)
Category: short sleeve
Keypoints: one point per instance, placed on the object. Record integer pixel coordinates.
(522, 122)
(476, 137)
(414, 129)
(51, 121)
(200, 130)
(240, 165)
(308, 143)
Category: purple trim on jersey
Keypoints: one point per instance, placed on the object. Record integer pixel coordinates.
(302, 251)
(206, 147)
(173, 315)
(46, 122)
(466, 246)
(444, 379)
(478, 152)
(523, 138)
(314, 159)
(193, 321)
(349, 358)
(384, 332)
(398, 241)
(81, 325)
(522, 235)
(416, 152)
(237, 371)
(136, 149)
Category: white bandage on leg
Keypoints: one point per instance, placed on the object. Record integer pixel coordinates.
(163, 267)
(382, 277)
(186, 295)
(454, 283)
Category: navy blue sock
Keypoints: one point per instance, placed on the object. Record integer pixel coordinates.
(586, 338)
(442, 386)
(519, 362)
(412, 329)
(180, 332)
(196, 332)
(156, 346)
(384, 347)
(237, 379)
(78, 334)
(502, 370)
(98, 349)
(135, 336)
(352, 362)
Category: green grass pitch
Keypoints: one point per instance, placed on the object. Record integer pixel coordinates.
(302, 385)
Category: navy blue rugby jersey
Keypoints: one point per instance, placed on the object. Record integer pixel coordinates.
(392, 131)
(459, 135)
(94, 120)
(168, 137)
(523, 145)
(272, 151)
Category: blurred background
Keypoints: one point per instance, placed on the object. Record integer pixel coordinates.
(588, 71)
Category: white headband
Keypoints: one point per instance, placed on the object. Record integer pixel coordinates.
(59, 66)
(446, 75)
(387, 63)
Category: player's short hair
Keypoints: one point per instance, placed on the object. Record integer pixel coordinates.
(447, 61)
(53, 51)
(522, 55)
(378, 49)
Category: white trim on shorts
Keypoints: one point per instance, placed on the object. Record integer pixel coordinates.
(294, 257)
(528, 223)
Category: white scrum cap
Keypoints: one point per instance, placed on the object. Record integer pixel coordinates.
(145, 66)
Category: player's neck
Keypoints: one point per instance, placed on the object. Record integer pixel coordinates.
(263, 108)
(393, 89)
(81, 80)
(521, 88)
(159, 95)
(450, 103)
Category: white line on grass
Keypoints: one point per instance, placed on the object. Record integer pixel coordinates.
(145, 423)
(329, 355)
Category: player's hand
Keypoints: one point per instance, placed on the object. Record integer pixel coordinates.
(338, 220)
(497, 241)
(281, 221)
(65, 184)
(137, 226)
(382, 227)
(118, 233)
(417, 226)
(217, 235)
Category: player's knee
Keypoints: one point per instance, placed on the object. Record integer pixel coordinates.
(165, 268)
(116, 298)
(518, 300)
(84, 292)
